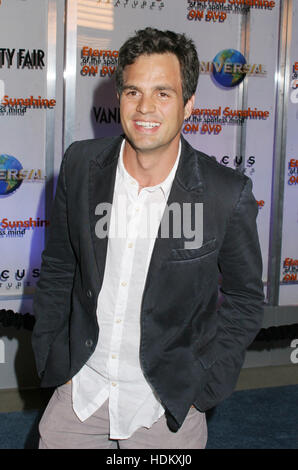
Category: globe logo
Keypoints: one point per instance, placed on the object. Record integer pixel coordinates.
(226, 68)
(8, 180)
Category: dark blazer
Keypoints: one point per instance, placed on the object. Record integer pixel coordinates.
(191, 348)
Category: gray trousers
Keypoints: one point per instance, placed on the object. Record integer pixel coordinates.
(60, 428)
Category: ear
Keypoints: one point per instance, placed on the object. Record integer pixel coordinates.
(189, 107)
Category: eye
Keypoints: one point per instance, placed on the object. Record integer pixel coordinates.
(163, 94)
(132, 93)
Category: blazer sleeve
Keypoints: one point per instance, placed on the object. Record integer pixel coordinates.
(241, 311)
(52, 298)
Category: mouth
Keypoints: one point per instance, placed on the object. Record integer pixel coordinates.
(147, 124)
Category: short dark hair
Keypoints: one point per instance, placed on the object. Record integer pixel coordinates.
(153, 41)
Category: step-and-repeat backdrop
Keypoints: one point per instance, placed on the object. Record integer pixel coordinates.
(23, 73)
(233, 120)
(289, 252)
(235, 110)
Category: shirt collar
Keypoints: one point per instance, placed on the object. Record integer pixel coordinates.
(165, 185)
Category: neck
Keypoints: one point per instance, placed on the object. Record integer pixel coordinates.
(149, 168)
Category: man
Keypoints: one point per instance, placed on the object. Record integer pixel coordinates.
(127, 325)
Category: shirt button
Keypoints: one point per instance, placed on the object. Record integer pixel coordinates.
(114, 356)
(114, 384)
(118, 320)
(123, 283)
(89, 343)
(89, 293)
(130, 245)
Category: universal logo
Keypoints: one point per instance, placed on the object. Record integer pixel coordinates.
(229, 68)
(294, 84)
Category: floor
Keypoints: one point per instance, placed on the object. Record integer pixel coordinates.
(250, 378)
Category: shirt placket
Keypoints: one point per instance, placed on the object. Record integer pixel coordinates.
(137, 204)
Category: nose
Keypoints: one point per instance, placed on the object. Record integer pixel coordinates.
(145, 104)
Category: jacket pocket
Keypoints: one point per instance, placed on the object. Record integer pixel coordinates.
(182, 254)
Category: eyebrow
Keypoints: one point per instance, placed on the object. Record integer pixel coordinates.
(130, 87)
(158, 87)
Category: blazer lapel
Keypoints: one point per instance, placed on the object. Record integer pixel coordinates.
(102, 174)
(187, 187)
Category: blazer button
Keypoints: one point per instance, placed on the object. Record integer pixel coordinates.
(89, 293)
(89, 343)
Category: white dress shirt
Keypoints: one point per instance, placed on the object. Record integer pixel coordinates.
(113, 371)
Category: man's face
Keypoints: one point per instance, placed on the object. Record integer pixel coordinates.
(151, 104)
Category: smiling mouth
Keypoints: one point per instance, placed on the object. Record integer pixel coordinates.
(147, 124)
